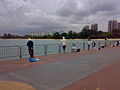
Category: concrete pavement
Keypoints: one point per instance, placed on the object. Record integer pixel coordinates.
(58, 71)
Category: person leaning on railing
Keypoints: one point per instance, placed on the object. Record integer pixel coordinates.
(30, 48)
(117, 43)
(89, 42)
(64, 43)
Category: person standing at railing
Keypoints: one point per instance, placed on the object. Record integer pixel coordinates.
(89, 42)
(30, 48)
(106, 42)
(117, 43)
(64, 43)
(93, 44)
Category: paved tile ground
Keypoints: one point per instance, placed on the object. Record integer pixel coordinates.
(86, 70)
(18, 64)
(105, 79)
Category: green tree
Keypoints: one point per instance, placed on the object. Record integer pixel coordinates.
(116, 33)
(10, 35)
(74, 35)
(86, 33)
(56, 35)
(64, 35)
(70, 34)
(5, 36)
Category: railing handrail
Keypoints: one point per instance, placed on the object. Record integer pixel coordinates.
(11, 46)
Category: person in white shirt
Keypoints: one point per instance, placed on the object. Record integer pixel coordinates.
(64, 43)
(89, 42)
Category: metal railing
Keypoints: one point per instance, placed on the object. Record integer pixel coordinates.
(10, 51)
(44, 49)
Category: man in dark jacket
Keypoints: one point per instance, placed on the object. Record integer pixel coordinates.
(30, 48)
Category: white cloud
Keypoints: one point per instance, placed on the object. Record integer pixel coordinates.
(27, 15)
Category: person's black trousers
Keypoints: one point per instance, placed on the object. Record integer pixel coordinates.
(31, 52)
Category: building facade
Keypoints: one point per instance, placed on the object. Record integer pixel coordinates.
(112, 25)
(94, 27)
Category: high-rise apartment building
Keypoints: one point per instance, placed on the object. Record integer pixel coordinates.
(112, 25)
(94, 27)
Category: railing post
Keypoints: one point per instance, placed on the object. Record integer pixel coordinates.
(105, 44)
(83, 46)
(114, 43)
(45, 49)
(110, 43)
(20, 52)
(99, 46)
(59, 48)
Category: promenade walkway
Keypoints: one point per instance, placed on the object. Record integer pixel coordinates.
(86, 70)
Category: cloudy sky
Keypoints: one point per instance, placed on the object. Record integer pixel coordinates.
(18, 16)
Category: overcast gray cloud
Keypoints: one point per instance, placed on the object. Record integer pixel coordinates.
(42, 15)
(87, 8)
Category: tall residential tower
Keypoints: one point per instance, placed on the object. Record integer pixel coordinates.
(112, 25)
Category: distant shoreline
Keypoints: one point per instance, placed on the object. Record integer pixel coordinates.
(58, 39)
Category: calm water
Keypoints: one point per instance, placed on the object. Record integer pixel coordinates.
(23, 42)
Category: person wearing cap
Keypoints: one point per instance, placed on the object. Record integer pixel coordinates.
(64, 43)
(30, 48)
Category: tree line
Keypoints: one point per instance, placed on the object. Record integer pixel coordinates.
(84, 34)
